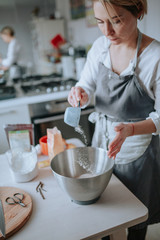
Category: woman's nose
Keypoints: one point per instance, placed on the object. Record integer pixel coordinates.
(108, 29)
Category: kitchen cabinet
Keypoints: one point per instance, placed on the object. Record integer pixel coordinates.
(11, 115)
(42, 31)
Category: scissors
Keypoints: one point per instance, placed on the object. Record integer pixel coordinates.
(15, 200)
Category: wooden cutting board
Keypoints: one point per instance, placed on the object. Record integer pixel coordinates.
(15, 215)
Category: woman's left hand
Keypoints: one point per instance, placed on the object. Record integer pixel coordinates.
(123, 131)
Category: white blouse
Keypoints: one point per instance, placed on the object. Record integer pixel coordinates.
(148, 72)
(13, 53)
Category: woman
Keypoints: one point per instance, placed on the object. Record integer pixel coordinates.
(123, 70)
(13, 53)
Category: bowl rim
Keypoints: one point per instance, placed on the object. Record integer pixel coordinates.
(72, 149)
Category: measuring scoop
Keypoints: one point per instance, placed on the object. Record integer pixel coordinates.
(72, 116)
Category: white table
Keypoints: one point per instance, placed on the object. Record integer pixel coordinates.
(57, 218)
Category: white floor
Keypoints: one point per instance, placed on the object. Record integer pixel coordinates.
(153, 232)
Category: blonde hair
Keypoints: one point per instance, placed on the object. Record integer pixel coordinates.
(8, 31)
(134, 6)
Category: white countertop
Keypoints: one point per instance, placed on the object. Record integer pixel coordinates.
(58, 218)
(33, 99)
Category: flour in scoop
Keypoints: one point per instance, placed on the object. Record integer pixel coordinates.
(80, 130)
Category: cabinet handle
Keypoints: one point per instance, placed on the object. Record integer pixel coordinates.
(48, 119)
(7, 112)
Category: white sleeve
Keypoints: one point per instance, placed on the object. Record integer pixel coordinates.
(155, 116)
(11, 55)
(88, 79)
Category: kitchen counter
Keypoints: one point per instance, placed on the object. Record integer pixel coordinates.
(58, 218)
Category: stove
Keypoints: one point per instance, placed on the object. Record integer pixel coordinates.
(7, 92)
(45, 84)
(37, 78)
(36, 85)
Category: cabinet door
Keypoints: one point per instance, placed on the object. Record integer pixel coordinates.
(43, 31)
(11, 115)
(49, 29)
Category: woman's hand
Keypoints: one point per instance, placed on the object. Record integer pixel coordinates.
(4, 68)
(77, 94)
(123, 131)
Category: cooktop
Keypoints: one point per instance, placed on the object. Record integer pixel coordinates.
(36, 85)
(7, 92)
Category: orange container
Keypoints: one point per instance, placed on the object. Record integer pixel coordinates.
(44, 145)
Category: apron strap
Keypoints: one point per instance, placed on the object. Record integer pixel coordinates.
(137, 50)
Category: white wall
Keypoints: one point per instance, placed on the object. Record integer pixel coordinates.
(77, 31)
(152, 20)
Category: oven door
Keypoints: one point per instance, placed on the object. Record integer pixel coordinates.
(57, 120)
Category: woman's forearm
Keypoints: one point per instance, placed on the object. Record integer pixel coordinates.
(143, 127)
(126, 130)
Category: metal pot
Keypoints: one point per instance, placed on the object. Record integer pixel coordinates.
(83, 173)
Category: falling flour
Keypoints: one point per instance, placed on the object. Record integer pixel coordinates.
(80, 130)
(84, 161)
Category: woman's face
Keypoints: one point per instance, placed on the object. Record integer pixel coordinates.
(118, 24)
(6, 38)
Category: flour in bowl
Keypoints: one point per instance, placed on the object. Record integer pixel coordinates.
(87, 175)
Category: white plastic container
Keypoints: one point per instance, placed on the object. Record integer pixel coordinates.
(68, 67)
(23, 164)
(79, 62)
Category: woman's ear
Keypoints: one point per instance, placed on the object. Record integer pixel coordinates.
(140, 17)
(140, 12)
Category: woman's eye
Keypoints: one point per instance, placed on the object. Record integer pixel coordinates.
(116, 22)
(99, 22)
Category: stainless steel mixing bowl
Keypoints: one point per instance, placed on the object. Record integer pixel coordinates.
(83, 173)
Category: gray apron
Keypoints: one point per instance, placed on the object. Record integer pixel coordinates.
(122, 99)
